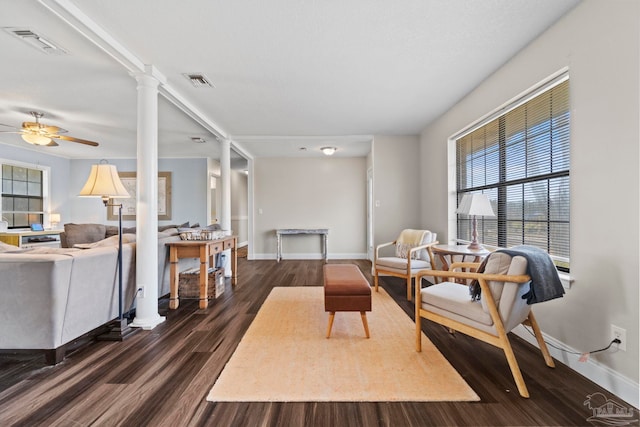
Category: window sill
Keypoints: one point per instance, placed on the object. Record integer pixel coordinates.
(566, 279)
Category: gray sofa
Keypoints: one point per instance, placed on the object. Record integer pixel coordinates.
(53, 296)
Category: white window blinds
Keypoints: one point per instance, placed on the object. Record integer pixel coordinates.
(520, 160)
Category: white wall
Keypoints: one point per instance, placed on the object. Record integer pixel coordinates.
(599, 43)
(239, 206)
(396, 166)
(310, 193)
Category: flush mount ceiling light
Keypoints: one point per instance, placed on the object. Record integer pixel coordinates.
(198, 79)
(198, 140)
(38, 41)
(328, 151)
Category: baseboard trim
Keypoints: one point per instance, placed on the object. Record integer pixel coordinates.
(616, 383)
(303, 256)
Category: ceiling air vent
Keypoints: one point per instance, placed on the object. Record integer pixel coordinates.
(198, 79)
(38, 41)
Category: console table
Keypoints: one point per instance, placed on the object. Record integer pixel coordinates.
(30, 239)
(205, 250)
(324, 232)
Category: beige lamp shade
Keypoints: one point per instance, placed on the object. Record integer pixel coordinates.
(104, 182)
(54, 218)
(475, 204)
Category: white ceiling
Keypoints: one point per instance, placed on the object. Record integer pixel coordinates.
(287, 74)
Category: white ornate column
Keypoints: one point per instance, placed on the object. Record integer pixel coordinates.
(147, 316)
(225, 177)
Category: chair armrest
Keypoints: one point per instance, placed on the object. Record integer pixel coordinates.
(382, 245)
(472, 275)
(426, 246)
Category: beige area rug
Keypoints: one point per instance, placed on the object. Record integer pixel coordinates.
(285, 357)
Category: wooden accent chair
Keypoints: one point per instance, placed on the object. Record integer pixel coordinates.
(499, 310)
(412, 254)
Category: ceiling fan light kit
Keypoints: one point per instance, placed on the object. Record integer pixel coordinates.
(37, 133)
(34, 138)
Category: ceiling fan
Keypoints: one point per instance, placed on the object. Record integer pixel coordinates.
(40, 134)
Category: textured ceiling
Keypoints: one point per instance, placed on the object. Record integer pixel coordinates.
(287, 74)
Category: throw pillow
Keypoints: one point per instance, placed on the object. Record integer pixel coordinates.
(109, 241)
(84, 233)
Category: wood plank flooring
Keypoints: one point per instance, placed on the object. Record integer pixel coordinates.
(162, 377)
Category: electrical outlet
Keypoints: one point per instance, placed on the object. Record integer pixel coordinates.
(141, 293)
(621, 334)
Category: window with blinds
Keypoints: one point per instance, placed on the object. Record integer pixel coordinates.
(520, 160)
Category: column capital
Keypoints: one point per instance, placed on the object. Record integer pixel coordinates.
(150, 76)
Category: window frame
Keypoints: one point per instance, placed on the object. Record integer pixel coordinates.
(46, 188)
(555, 79)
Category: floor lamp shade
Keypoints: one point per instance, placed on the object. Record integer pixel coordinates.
(474, 205)
(104, 182)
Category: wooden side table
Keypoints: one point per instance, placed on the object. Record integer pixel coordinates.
(446, 254)
(205, 250)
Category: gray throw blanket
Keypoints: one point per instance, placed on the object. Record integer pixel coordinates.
(545, 282)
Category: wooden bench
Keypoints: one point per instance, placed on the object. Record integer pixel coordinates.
(346, 289)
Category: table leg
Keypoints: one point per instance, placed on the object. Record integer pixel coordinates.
(325, 253)
(234, 262)
(174, 302)
(278, 248)
(204, 276)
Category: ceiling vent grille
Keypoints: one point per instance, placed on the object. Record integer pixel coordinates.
(38, 41)
(198, 79)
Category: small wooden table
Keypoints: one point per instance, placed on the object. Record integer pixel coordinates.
(449, 251)
(205, 250)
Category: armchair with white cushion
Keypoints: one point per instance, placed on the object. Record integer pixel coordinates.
(489, 317)
(412, 254)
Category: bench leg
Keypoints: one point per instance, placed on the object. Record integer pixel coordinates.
(332, 315)
(363, 314)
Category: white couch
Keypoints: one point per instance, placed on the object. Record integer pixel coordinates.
(53, 296)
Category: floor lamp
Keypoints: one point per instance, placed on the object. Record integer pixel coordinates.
(474, 205)
(104, 182)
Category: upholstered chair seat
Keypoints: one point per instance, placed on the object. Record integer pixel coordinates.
(411, 254)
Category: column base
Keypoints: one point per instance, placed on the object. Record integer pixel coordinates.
(147, 323)
(119, 331)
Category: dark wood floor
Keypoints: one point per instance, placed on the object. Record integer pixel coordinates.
(161, 377)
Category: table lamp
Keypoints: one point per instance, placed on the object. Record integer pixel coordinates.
(104, 182)
(474, 205)
(54, 220)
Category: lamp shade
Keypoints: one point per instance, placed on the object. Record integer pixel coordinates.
(475, 204)
(54, 218)
(36, 139)
(104, 182)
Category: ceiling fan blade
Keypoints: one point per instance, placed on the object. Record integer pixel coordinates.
(9, 126)
(72, 139)
(52, 129)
